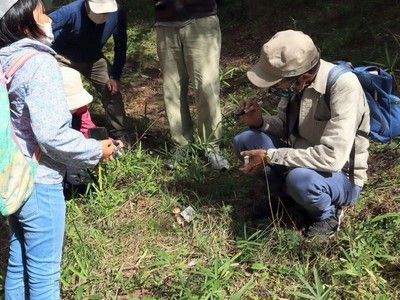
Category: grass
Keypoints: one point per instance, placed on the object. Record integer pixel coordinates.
(125, 243)
(124, 240)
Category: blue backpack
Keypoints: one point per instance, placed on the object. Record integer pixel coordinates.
(384, 106)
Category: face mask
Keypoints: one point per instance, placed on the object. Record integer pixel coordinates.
(97, 18)
(286, 93)
(49, 38)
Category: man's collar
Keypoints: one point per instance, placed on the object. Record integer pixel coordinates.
(320, 81)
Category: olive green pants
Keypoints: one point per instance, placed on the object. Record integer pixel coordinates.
(191, 54)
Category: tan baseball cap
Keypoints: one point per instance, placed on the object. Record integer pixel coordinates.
(102, 6)
(288, 53)
(75, 93)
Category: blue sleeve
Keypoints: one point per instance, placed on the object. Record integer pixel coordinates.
(60, 17)
(120, 45)
(50, 117)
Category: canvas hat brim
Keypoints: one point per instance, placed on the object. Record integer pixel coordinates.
(103, 7)
(79, 100)
(287, 54)
(260, 78)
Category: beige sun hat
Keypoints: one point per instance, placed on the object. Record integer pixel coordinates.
(288, 53)
(75, 93)
(102, 6)
(5, 6)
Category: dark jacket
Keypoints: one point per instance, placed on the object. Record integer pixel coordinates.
(183, 10)
(81, 40)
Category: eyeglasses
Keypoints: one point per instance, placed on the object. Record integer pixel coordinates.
(284, 92)
(291, 80)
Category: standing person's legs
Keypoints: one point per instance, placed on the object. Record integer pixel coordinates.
(36, 240)
(113, 105)
(175, 84)
(202, 48)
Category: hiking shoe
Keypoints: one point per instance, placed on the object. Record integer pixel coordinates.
(218, 161)
(178, 155)
(326, 228)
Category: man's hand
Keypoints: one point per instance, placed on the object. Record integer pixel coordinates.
(257, 161)
(252, 115)
(113, 86)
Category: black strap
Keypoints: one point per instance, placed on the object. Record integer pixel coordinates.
(292, 128)
(76, 122)
(351, 162)
(287, 112)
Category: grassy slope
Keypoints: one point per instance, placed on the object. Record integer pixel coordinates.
(123, 240)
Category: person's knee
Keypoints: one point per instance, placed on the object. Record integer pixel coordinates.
(239, 142)
(302, 185)
(243, 139)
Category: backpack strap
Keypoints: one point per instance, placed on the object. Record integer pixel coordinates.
(16, 64)
(334, 74)
(8, 75)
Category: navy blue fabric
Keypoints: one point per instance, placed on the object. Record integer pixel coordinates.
(383, 104)
(81, 40)
(319, 193)
(175, 11)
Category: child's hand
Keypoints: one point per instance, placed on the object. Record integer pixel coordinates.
(118, 147)
(119, 143)
(107, 149)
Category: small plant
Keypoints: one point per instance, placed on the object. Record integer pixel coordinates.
(316, 290)
(225, 75)
(391, 59)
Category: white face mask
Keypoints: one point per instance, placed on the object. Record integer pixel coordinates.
(49, 38)
(97, 18)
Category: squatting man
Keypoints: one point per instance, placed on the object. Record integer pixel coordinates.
(305, 149)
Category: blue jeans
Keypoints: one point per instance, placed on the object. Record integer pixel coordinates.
(319, 193)
(36, 241)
